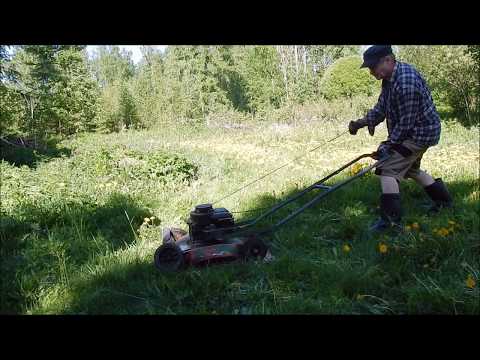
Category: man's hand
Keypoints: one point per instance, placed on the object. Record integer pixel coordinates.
(384, 149)
(355, 125)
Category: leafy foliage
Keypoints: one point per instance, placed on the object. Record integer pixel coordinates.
(48, 90)
(344, 78)
(451, 74)
(262, 78)
(55, 90)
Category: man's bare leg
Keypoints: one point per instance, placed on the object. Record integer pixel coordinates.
(389, 185)
(423, 179)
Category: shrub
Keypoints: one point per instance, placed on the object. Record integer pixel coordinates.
(117, 109)
(344, 78)
(451, 74)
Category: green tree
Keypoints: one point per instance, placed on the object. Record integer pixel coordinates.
(149, 88)
(114, 71)
(322, 56)
(344, 78)
(111, 64)
(452, 76)
(260, 70)
(75, 93)
(200, 79)
(50, 91)
(474, 52)
(34, 73)
(10, 101)
(128, 109)
(116, 109)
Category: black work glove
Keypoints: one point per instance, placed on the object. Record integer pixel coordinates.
(358, 124)
(371, 130)
(355, 125)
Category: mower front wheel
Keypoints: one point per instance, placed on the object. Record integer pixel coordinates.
(169, 258)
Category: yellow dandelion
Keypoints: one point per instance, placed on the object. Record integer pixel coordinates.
(443, 232)
(471, 283)
(356, 168)
(408, 227)
(346, 248)
(383, 248)
(415, 226)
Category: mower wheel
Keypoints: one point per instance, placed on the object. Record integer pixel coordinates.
(254, 248)
(169, 257)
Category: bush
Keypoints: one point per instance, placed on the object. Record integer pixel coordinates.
(127, 164)
(338, 110)
(451, 75)
(117, 109)
(344, 78)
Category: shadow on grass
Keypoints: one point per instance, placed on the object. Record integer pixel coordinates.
(38, 244)
(137, 287)
(19, 155)
(307, 275)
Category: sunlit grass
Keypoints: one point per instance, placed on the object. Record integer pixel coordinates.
(78, 237)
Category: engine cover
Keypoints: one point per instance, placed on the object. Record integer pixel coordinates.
(205, 217)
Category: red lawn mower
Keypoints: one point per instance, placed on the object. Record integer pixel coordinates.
(213, 235)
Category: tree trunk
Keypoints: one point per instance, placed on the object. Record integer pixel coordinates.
(304, 60)
(283, 66)
(296, 60)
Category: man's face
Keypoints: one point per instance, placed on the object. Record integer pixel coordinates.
(383, 69)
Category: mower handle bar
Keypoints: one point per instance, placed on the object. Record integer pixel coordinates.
(246, 224)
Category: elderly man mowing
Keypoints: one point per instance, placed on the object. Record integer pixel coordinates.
(413, 126)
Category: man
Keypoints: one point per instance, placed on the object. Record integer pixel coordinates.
(413, 126)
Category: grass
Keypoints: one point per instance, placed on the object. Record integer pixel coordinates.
(76, 240)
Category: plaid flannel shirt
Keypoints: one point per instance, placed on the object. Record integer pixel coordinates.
(406, 102)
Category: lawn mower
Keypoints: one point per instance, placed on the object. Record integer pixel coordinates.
(213, 235)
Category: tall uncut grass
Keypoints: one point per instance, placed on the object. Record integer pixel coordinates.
(79, 229)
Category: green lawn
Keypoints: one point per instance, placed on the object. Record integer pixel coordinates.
(76, 240)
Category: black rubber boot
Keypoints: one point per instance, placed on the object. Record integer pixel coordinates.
(390, 213)
(439, 194)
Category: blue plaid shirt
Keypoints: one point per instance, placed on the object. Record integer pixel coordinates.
(406, 102)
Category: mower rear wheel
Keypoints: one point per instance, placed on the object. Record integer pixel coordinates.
(254, 248)
(169, 257)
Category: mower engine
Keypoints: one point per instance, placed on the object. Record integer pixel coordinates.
(212, 237)
(204, 219)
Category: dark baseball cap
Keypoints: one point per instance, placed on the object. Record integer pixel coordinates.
(374, 53)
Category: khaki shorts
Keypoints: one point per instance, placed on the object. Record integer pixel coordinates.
(404, 162)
